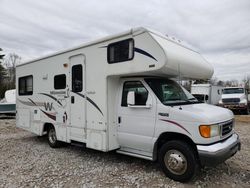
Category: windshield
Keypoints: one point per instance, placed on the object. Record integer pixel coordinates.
(169, 92)
(233, 90)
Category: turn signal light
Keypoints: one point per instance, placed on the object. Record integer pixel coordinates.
(205, 131)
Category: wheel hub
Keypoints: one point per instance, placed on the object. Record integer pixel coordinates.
(175, 162)
(52, 136)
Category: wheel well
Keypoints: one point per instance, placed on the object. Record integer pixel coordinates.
(46, 127)
(168, 136)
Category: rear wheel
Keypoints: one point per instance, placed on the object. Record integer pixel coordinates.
(52, 139)
(178, 161)
(246, 111)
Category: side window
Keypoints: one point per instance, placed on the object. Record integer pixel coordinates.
(60, 81)
(121, 51)
(25, 85)
(77, 78)
(141, 93)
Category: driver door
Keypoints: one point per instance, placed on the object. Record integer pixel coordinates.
(136, 123)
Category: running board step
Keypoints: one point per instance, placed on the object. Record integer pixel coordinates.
(134, 155)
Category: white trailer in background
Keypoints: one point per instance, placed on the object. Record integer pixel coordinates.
(207, 93)
(8, 103)
(115, 94)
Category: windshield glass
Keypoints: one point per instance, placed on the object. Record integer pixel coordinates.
(233, 90)
(169, 92)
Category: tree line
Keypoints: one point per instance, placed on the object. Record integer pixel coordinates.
(8, 71)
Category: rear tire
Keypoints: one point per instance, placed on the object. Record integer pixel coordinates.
(52, 139)
(178, 161)
(246, 111)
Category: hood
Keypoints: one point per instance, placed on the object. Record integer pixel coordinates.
(202, 113)
(235, 95)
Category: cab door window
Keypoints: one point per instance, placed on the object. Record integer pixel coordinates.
(141, 93)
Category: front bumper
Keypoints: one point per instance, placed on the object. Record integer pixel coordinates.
(214, 154)
(234, 106)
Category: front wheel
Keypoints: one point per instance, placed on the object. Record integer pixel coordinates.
(52, 139)
(178, 161)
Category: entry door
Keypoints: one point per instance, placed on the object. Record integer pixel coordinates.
(77, 91)
(136, 123)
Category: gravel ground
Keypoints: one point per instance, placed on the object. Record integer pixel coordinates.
(27, 161)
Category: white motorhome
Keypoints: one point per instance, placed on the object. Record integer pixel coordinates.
(207, 93)
(116, 94)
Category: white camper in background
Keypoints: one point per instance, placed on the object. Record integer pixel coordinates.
(8, 104)
(116, 94)
(207, 93)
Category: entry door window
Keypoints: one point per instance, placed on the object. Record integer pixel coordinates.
(77, 78)
(141, 93)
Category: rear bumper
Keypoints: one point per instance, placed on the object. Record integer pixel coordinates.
(214, 154)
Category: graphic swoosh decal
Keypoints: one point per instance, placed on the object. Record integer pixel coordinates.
(91, 101)
(177, 124)
(27, 103)
(32, 102)
(49, 115)
(55, 99)
(138, 50)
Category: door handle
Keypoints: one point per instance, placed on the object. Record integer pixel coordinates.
(72, 99)
(119, 119)
(163, 114)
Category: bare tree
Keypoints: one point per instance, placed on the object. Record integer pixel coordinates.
(213, 81)
(246, 82)
(10, 62)
(2, 69)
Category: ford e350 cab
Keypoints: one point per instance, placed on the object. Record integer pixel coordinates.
(117, 93)
(186, 133)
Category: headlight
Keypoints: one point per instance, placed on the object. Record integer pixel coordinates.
(208, 131)
(243, 102)
(220, 101)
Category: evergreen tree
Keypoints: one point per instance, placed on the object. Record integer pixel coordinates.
(2, 75)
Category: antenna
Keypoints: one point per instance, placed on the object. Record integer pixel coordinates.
(179, 74)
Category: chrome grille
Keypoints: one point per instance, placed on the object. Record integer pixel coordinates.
(231, 100)
(227, 127)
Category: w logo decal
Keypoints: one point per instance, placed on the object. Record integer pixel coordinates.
(48, 106)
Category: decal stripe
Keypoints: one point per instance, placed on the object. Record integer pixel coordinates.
(52, 97)
(138, 50)
(26, 103)
(49, 115)
(32, 102)
(92, 102)
(177, 124)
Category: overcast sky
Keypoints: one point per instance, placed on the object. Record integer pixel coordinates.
(220, 30)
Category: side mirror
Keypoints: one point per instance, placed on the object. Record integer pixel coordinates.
(131, 98)
(206, 97)
(149, 102)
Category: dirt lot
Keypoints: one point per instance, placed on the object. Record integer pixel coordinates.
(27, 161)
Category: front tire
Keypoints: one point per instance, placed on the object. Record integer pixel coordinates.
(178, 161)
(52, 138)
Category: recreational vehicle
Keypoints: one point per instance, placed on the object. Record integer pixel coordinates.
(8, 104)
(117, 94)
